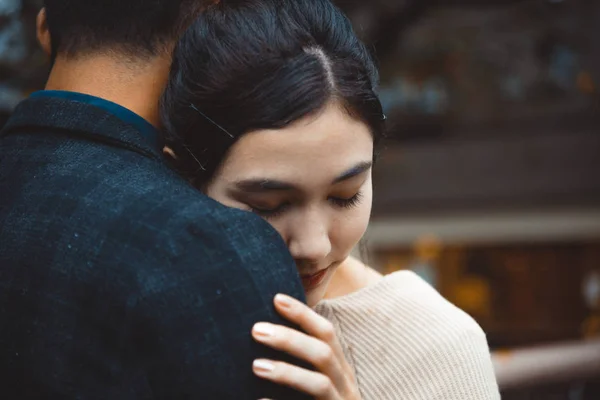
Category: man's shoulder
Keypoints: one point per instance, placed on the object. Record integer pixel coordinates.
(110, 200)
(186, 215)
(155, 211)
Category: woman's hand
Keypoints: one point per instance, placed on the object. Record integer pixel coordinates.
(334, 378)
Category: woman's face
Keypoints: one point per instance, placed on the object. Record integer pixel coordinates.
(312, 182)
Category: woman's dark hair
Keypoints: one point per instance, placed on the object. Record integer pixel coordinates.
(262, 64)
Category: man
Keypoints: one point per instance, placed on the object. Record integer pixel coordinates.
(117, 279)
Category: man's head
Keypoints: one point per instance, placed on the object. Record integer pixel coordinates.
(117, 50)
(134, 29)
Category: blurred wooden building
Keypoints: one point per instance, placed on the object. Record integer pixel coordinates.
(489, 184)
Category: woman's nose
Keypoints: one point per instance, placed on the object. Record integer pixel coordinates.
(310, 241)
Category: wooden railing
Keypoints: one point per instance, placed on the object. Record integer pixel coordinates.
(544, 365)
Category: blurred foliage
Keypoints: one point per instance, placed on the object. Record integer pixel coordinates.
(23, 67)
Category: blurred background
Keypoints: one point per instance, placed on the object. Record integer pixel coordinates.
(489, 183)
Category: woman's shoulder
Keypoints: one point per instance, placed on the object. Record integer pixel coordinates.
(400, 329)
(354, 281)
(401, 296)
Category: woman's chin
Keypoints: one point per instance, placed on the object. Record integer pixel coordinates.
(314, 296)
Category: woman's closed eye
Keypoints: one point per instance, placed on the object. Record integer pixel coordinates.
(270, 212)
(274, 212)
(346, 202)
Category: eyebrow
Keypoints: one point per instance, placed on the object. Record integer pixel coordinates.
(265, 185)
(354, 171)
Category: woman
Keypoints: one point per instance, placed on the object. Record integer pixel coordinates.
(271, 108)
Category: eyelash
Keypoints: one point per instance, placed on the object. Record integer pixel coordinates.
(347, 203)
(337, 202)
(273, 213)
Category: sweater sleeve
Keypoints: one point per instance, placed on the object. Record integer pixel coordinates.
(405, 341)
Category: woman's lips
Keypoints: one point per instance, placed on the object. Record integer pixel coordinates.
(312, 281)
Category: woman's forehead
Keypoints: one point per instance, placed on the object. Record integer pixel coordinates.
(327, 144)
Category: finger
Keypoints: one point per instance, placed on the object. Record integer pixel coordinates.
(305, 317)
(304, 347)
(312, 383)
(311, 322)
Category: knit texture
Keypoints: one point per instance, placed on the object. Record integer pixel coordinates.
(405, 341)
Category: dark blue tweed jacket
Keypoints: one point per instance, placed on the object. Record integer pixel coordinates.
(117, 279)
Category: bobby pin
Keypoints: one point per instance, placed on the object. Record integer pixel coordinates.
(210, 120)
(195, 158)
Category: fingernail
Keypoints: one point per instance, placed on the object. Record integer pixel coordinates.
(283, 300)
(263, 330)
(263, 366)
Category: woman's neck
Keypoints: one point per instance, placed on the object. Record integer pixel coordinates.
(351, 276)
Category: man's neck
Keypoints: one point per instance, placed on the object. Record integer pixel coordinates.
(135, 86)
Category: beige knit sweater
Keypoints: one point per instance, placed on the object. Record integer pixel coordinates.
(406, 342)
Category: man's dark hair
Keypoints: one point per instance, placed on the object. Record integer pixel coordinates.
(136, 28)
(262, 64)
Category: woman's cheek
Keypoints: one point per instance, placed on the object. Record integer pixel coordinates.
(350, 228)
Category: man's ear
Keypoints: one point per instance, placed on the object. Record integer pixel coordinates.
(43, 34)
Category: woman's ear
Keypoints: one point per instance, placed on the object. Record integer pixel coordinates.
(43, 34)
(167, 151)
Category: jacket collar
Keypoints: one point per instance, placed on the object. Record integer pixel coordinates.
(78, 119)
